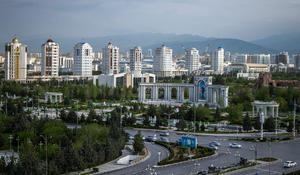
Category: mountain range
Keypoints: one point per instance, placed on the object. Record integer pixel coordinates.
(272, 44)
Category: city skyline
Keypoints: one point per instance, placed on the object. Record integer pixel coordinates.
(255, 19)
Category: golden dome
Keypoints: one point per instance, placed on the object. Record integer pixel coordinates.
(15, 40)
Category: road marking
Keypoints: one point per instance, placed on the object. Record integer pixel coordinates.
(276, 172)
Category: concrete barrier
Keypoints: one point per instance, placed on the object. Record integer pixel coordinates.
(127, 159)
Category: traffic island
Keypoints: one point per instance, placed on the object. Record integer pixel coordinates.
(179, 153)
(271, 139)
(267, 159)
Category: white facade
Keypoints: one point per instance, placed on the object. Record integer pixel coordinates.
(66, 62)
(200, 92)
(192, 60)
(163, 64)
(217, 60)
(240, 58)
(111, 57)
(50, 58)
(136, 56)
(297, 61)
(83, 59)
(262, 58)
(16, 60)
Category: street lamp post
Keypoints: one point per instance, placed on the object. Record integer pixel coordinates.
(294, 119)
(10, 138)
(46, 142)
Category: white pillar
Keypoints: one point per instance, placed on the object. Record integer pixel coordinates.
(252, 110)
(265, 111)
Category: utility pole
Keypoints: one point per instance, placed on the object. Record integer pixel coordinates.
(294, 119)
(194, 118)
(46, 142)
(6, 106)
(76, 116)
(10, 138)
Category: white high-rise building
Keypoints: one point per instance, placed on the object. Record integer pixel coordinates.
(50, 58)
(16, 60)
(110, 61)
(217, 60)
(240, 58)
(149, 53)
(163, 64)
(136, 56)
(227, 56)
(83, 59)
(192, 60)
(262, 58)
(297, 62)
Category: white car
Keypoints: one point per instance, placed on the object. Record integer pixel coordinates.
(214, 147)
(215, 143)
(164, 134)
(289, 164)
(235, 145)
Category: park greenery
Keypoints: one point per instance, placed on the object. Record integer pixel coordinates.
(64, 150)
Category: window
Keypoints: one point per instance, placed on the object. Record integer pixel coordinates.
(87, 52)
(78, 52)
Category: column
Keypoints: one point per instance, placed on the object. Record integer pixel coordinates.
(155, 93)
(139, 89)
(55, 99)
(252, 110)
(265, 111)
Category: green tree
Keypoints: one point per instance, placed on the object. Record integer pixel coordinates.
(269, 124)
(235, 114)
(29, 161)
(217, 116)
(72, 117)
(138, 144)
(92, 116)
(181, 125)
(290, 126)
(247, 123)
(146, 121)
(257, 124)
(63, 115)
(202, 127)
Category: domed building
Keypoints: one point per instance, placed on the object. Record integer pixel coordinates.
(50, 58)
(15, 60)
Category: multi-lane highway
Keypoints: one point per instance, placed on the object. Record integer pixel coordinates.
(288, 150)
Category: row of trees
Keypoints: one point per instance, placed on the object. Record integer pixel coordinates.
(75, 90)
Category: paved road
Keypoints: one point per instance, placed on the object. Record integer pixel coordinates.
(151, 161)
(283, 150)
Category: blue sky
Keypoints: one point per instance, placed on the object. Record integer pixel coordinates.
(243, 19)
